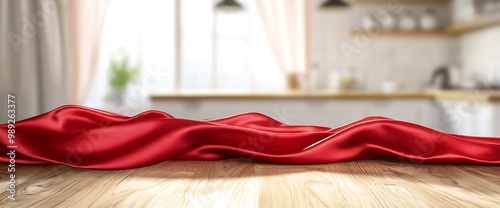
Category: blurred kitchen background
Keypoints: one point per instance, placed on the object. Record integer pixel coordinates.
(325, 62)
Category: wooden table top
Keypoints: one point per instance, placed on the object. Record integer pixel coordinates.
(236, 183)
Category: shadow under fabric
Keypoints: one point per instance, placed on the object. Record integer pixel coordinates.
(90, 138)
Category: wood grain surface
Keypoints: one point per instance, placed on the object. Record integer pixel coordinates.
(237, 183)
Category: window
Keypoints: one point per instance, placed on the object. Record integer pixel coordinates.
(223, 50)
(187, 45)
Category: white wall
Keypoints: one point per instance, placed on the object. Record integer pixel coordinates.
(480, 53)
(407, 60)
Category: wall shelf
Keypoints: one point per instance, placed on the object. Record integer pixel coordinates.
(478, 22)
(402, 1)
(400, 33)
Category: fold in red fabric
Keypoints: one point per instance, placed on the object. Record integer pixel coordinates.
(89, 138)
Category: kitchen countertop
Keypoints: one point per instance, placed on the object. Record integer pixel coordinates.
(468, 95)
(476, 95)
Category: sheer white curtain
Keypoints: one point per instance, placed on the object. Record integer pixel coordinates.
(286, 24)
(85, 20)
(143, 30)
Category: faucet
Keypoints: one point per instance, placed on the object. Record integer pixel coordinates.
(444, 73)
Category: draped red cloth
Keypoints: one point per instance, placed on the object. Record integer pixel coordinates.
(90, 138)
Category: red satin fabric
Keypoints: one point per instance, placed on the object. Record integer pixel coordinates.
(90, 138)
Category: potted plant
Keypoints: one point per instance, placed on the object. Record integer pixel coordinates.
(122, 73)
